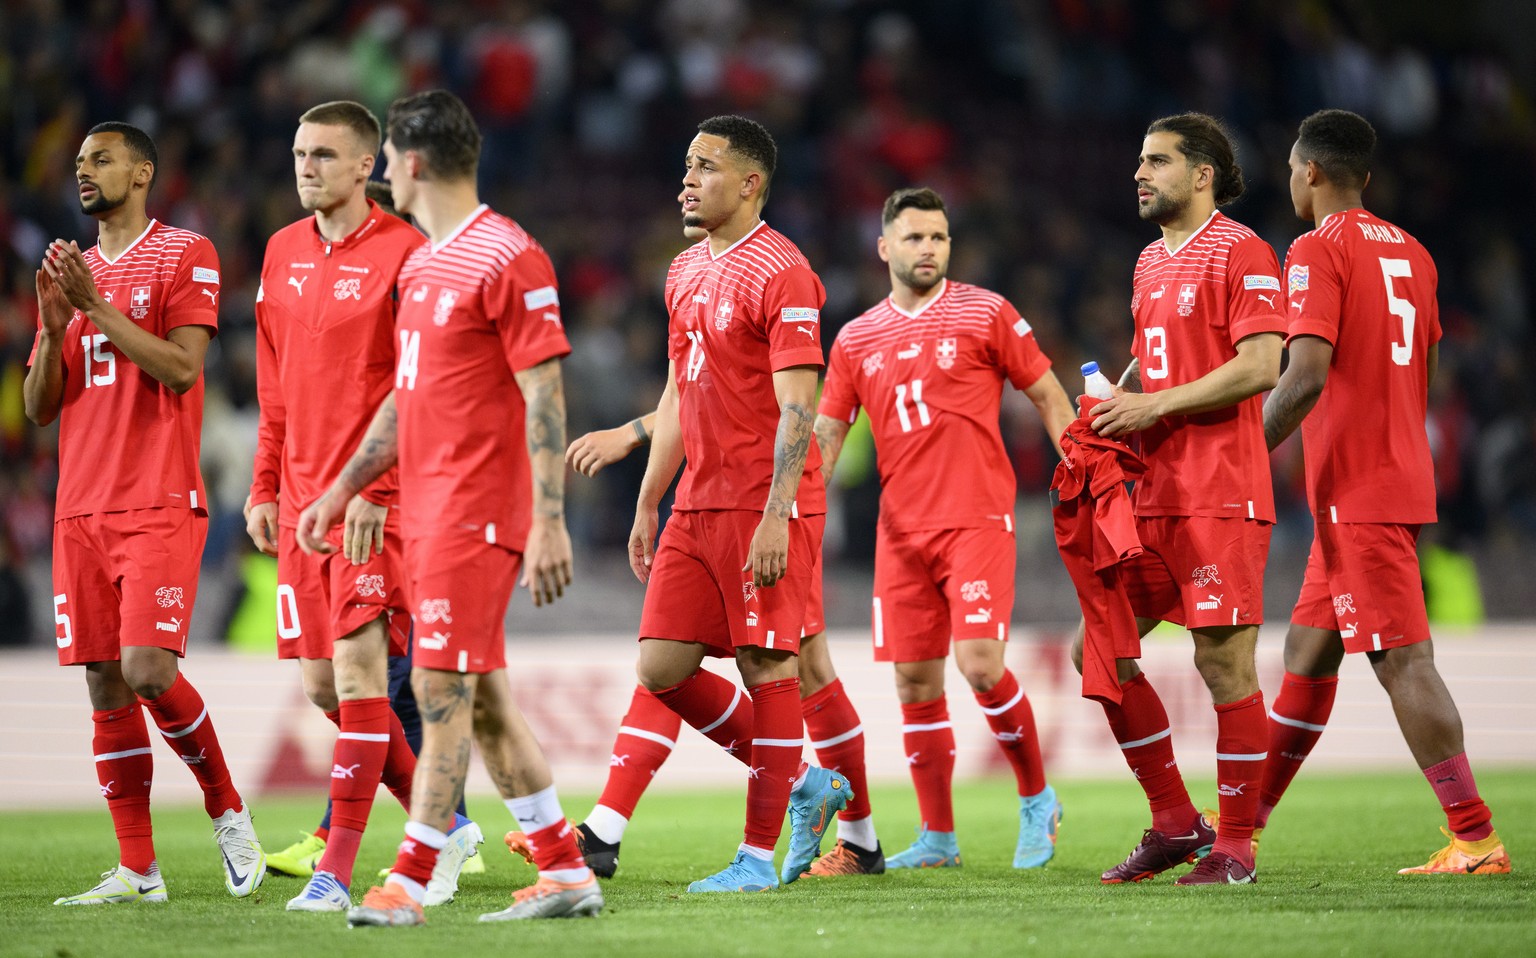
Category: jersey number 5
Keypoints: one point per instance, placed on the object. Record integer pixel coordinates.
(1402, 353)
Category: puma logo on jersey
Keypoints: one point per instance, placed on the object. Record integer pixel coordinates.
(212, 294)
(298, 283)
(172, 626)
(1268, 299)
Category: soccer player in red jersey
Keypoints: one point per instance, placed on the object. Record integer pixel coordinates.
(1206, 302)
(649, 729)
(928, 365)
(481, 427)
(325, 344)
(123, 330)
(733, 569)
(1364, 340)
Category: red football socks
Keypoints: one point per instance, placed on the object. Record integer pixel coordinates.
(1140, 725)
(1013, 725)
(1296, 721)
(778, 737)
(838, 738)
(1241, 737)
(1466, 814)
(929, 740)
(124, 767)
(715, 707)
(184, 721)
(645, 740)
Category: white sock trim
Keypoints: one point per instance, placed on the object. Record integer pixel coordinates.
(607, 824)
(854, 732)
(190, 728)
(536, 811)
(1148, 740)
(929, 727)
(426, 835)
(415, 889)
(648, 736)
(1296, 723)
(761, 854)
(735, 700)
(1017, 697)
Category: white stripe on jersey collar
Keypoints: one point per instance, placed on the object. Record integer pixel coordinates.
(112, 262)
(1210, 219)
(943, 288)
(461, 227)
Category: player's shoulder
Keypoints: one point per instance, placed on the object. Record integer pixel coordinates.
(767, 253)
(861, 329)
(969, 298)
(166, 240)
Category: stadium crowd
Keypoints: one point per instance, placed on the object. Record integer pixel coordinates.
(1019, 113)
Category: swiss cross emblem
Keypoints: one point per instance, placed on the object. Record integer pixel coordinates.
(946, 353)
(1186, 299)
(141, 296)
(723, 314)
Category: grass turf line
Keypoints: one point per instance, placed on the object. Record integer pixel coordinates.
(1327, 885)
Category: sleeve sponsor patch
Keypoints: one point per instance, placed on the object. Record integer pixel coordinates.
(202, 274)
(541, 297)
(799, 314)
(1022, 327)
(1262, 282)
(1297, 278)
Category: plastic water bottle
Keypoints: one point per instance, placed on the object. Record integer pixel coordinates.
(1096, 384)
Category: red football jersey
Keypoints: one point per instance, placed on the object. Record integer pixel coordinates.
(325, 354)
(932, 382)
(474, 310)
(1191, 307)
(735, 319)
(127, 441)
(1368, 288)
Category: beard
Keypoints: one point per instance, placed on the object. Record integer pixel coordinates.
(909, 278)
(102, 203)
(1163, 208)
(693, 221)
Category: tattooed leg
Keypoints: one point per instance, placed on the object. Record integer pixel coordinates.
(512, 754)
(446, 702)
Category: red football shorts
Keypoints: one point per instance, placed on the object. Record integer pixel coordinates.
(815, 608)
(1363, 582)
(699, 593)
(459, 590)
(321, 598)
(125, 578)
(934, 586)
(1199, 571)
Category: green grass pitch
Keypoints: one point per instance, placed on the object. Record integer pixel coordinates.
(1327, 886)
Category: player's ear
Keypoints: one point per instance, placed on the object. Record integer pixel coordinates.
(751, 185)
(882, 249)
(366, 168)
(1314, 173)
(144, 173)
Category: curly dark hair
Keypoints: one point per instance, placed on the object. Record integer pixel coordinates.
(1341, 143)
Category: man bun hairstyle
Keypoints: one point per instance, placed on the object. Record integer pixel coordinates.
(354, 116)
(139, 144)
(1341, 143)
(910, 198)
(748, 139)
(438, 127)
(1204, 140)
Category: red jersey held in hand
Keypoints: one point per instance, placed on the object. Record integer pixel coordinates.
(735, 320)
(1367, 288)
(932, 383)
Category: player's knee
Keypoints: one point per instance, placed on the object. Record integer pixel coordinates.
(148, 679)
(982, 676)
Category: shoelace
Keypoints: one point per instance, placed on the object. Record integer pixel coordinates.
(242, 853)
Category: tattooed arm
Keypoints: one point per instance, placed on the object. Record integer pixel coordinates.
(547, 556)
(830, 434)
(1298, 389)
(377, 452)
(795, 388)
